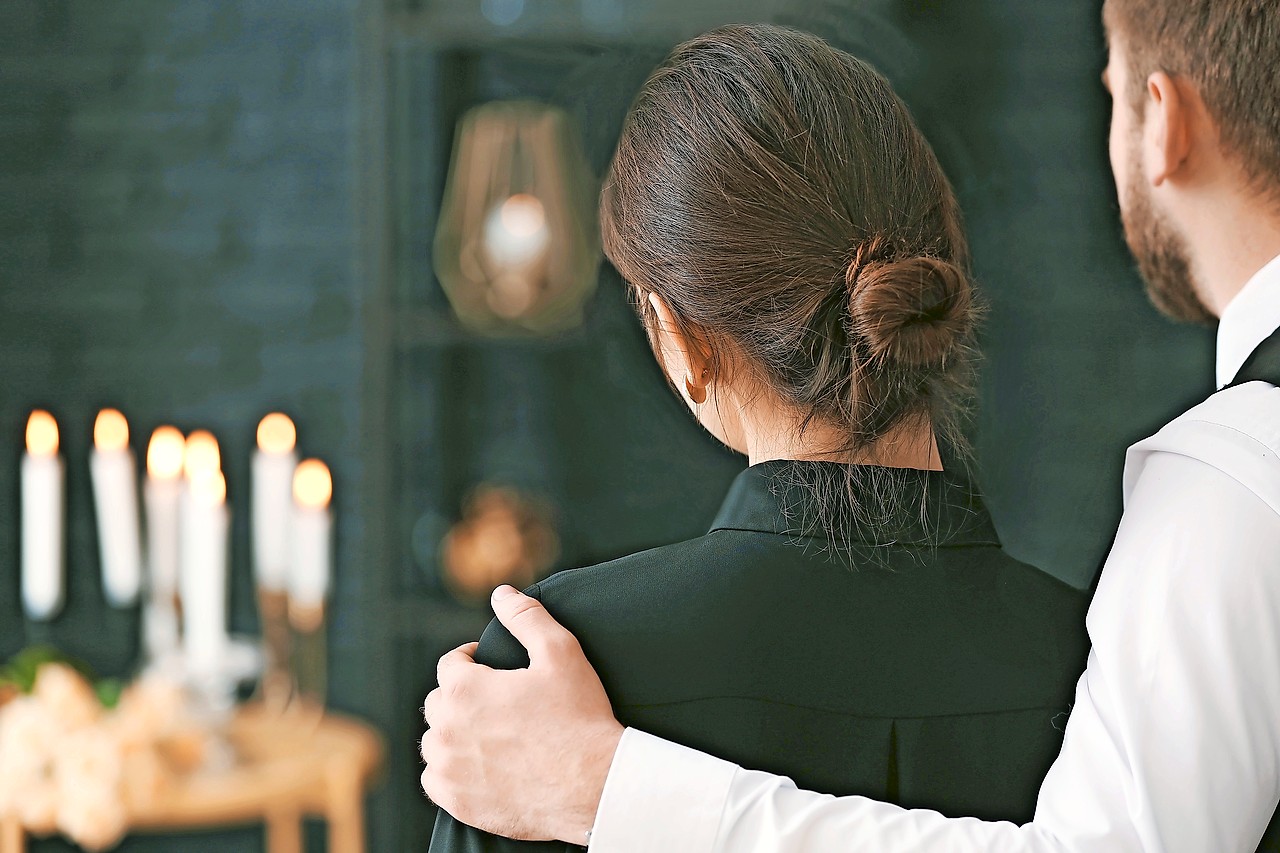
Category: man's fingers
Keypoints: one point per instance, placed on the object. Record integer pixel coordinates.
(429, 746)
(531, 624)
(430, 706)
(456, 661)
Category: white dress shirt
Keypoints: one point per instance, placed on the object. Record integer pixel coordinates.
(1173, 743)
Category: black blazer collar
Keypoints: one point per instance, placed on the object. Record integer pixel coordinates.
(787, 497)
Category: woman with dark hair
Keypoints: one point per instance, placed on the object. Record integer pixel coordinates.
(798, 260)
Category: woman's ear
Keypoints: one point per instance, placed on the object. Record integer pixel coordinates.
(687, 361)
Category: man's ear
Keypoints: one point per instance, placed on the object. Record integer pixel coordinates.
(1167, 132)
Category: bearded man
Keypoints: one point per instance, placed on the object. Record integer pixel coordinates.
(1173, 743)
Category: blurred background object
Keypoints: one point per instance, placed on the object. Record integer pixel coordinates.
(516, 245)
(502, 537)
(211, 211)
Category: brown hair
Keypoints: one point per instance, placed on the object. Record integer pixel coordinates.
(1229, 49)
(775, 193)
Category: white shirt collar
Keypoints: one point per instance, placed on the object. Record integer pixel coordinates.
(1248, 320)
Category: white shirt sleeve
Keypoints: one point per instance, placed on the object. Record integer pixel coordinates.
(1173, 743)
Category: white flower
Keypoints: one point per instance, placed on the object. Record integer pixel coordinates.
(38, 807)
(68, 766)
(88, 769)
(66, 695)
(89, 758)
(144, 780)
(95, 821)
(150, 708)
(26, 760)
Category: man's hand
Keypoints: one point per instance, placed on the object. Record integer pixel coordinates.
(522, 753)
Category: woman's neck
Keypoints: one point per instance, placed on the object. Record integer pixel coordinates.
(903, 447)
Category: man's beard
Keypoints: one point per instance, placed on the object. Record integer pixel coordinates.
(1162, 257)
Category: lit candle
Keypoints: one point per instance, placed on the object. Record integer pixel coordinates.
(161, 494)
(273, 464)
(115, 497)
(312, 538)
(42, 483)
(200, 456)
(202, 578)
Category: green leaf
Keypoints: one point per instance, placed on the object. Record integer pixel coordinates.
(109, 690)
(21, 669)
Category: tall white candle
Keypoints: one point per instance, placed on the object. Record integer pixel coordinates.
(115, 497)
(161, 494)
(203, 578)
(273, 463)
(309, 575)
(42, 519)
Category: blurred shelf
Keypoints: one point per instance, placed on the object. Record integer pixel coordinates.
(425, 328)
(450, 622)
(463, 24)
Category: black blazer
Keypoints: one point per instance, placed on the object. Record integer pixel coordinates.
(911, 661)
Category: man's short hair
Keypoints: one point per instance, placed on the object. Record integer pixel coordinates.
(1230, 49)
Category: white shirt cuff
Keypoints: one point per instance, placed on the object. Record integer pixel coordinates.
(660, 796)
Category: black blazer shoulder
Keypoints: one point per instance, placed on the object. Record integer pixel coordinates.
(963, 629)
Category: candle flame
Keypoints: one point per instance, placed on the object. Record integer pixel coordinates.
(42, 434)
(312, 484)
(276, 433)
(110, 431)
(200, 455)
(210, 487)
(164, 453)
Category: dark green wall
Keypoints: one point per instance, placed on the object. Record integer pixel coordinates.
(214, 209)
(178, 239)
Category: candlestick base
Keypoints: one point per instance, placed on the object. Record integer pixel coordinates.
(214, 680)
(309, 664)
(276, 689)
(160, 628)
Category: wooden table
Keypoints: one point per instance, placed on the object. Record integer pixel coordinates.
(290, 765)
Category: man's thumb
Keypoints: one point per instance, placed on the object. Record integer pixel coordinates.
(531, 624)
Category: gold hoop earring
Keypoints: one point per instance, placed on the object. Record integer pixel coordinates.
(698, 394)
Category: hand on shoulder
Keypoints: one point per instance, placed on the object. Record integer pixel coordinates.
(524, 752)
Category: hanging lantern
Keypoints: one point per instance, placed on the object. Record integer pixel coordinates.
(516, 248)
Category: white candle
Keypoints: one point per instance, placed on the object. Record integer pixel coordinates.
(115, 497)
(312, 566)
(161, 494)
(203, 577)
(42, 521)
(273, 463)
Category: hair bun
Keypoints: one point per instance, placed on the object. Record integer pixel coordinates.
(913, 312)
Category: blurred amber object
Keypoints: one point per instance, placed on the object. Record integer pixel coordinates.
(503, 537)
(517, 246)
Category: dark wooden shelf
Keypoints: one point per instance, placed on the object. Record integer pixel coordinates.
(460, 24)
(426, 328)
(449, 622)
